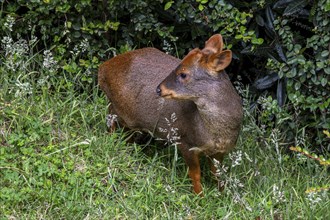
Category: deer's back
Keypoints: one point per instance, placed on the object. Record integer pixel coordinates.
(130, 81)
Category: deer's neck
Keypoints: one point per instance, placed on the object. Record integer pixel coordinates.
(220, 110)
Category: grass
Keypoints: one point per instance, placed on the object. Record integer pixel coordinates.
(58, 162)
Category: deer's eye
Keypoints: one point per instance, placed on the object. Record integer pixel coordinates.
(183, 75)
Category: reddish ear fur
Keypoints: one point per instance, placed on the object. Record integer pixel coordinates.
(213, 45)
(219, 61)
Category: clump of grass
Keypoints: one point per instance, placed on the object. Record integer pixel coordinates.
(315, 194)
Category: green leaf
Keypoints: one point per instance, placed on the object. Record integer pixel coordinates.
(325, 53)
(324, 81)
(282, 3)
(168, 5)
(292, 61)
(280, 93)
(327, 6)
(327, 70)
(295, 7)
(257, 41)
(239, 36)
(260, 21)
(267, 81)
(280, 52)
(269, 21)
(292, 73)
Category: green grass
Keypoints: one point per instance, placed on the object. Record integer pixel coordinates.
(58, 161)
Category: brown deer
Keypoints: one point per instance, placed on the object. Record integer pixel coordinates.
(146, 86)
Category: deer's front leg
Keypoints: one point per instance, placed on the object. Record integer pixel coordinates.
(194, 171)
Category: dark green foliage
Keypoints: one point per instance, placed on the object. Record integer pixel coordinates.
(281, 47)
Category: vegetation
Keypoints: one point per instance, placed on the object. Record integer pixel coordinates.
(58, 161)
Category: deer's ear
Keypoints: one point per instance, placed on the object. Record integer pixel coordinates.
(219, 61)
(213, 45)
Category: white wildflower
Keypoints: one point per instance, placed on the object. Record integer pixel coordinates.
(7, 44)
(300, 141)
(42, 81)
(236, 158)
(168, 188)
(9, 23)
(111, 119)
(274, 137)
(256, 173)
(49, 62)
(235, 183)
(278, 195)
(173, 117)
(239, 87)
(33, 40)
(76, 51)
(23, 88)
(239, 199)
(314, 198)
(172, 133)
(21, 47)
(220, 168)
(84, 45)
(167, 47)
(14, 52)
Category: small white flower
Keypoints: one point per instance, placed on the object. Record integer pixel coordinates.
(33, 40)
(314, 198)
(21, 47)
(172, 136)
(42, 81)
(111, 119)
(168, 188)
(236, 158)
(278, 195)
(256, 173)
(173, 117)
(167, 47)
(163, 130)
(7, 43)
(238, 198)
(84, 45)
(222, 168)
(9, 23)
(49, 62)
(23, 88)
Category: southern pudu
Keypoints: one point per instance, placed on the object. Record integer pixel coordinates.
(146, 86)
